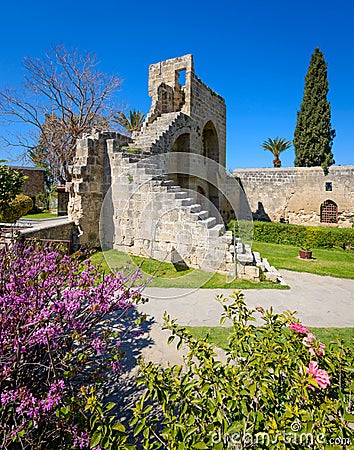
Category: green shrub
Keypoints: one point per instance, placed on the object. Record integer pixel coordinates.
(279, 389)
(16, 208)
(300, 235)
(11, 182)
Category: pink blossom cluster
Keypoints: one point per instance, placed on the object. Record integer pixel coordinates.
(315, 347)
(28, 404)
(321, 376)
(81, 439)
(313, 344)
(56, 324)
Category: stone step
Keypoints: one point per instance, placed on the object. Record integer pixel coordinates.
(146, 165)
(217, 230)
(145, 170)
(195, 208)
(130, 160)
(151, 133)
(199, 215)
(161, 178)
(209, 222)
(173, 188)
(178, 194)
(168, 183)
(184, 201)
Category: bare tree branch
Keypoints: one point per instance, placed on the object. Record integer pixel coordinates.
(64, 96)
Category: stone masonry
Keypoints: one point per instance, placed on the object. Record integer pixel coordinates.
(184, 118)
(299, 194)
(34, 184)
(158, 194)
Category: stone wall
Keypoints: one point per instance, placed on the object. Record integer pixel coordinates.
(52, 230)
(34, 184)
(296, 194)
(205, 108)
(91, 177)
(184, 118)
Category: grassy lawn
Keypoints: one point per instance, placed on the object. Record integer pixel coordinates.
(334, 262)
(168, 275)
(42, 215)
(218, 335)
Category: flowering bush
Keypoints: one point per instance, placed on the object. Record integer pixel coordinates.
(60, 333)
(279, 389)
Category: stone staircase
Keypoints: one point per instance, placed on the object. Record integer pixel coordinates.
(220, 241)
(218, 252)
(156, 136)
(121, 198)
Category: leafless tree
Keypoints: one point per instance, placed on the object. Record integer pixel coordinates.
(64, 96)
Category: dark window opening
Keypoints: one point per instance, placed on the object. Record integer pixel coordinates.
(328, 186)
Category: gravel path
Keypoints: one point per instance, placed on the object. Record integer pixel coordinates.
(319, 302)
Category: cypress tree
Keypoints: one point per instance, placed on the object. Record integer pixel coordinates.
(313, 137)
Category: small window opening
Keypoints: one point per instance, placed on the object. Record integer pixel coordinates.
(181, 77)
(328, 186)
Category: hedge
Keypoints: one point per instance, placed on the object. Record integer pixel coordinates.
(16, 208)
(300, 235)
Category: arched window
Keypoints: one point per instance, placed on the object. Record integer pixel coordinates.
(210, 142)
(329, 212)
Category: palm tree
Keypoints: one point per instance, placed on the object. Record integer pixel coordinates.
(276, 146)
(131, 123)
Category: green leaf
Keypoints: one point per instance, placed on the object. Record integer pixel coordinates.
(95, 439)
(139, 428)
(118, 427)
(235, 428)
(200, 445)
(109, 406)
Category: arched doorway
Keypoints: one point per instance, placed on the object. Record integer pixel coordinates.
(329, 212)
(210, 142)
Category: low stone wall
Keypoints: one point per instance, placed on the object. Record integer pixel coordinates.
(52, 229)
(295, 194)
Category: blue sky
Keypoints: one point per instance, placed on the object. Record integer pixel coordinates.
(253, 53)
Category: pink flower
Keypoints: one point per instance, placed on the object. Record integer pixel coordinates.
(298, 328)
(321, 376)
(116, 366)
(98, 345)
(308, 342)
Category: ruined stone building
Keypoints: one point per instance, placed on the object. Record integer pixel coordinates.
(161, 193)
(164, 193)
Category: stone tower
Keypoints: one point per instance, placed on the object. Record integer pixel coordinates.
(185, 116)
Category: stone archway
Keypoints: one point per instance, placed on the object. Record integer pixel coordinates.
(210, 142)
(329, 212)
